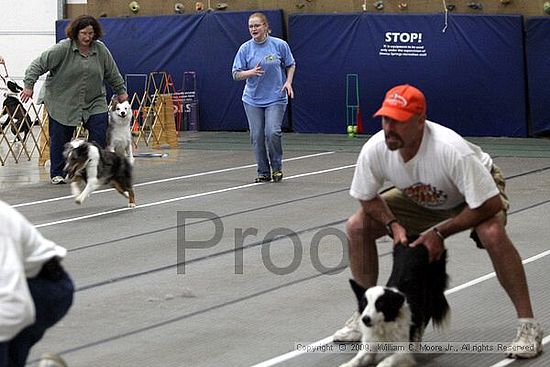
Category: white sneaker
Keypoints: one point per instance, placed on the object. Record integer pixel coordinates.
(57, 180)
(350, 332)
(51, 360)
(528, 341)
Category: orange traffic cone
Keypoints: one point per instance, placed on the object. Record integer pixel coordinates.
(359, 121)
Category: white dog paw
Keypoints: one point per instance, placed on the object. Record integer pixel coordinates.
(356, 362)
(81, 197)
(397, 360)
(132, 205)
(351, 363)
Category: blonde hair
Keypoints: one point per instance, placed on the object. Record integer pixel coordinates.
(263, 18)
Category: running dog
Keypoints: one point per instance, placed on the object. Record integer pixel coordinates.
(400, 311)
(119, 135)
(89, 164)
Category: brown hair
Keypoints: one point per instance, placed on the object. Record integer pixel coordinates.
(82, 22)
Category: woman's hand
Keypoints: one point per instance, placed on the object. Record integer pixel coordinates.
(256, 71)
(122, 97)
(288, 88)
(26, 94)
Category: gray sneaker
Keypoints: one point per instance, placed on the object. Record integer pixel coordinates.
(51, 360)
(528, 341)
(350, 332)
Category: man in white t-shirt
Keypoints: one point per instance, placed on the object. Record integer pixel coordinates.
(442, 185)
(35, 290)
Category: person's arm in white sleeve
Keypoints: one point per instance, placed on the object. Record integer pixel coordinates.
(16, 305)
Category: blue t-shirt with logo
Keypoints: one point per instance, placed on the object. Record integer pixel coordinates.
(274, 56)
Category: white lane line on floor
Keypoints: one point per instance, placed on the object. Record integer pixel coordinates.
(507, 361)
(493, 274)
(290, 355)
(214, 172)
(287, 356)
(186, 197)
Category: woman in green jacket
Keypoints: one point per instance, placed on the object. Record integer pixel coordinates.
(74, 90)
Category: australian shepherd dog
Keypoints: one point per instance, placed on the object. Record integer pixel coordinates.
(90, 166)
(400, 311)
(119, 135)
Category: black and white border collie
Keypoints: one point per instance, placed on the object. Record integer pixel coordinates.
(89, 164)
(17, 114)
(400, 311)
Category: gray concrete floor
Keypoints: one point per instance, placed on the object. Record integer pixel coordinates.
(274, 276)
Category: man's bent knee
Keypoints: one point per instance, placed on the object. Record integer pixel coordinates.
(355, 223)
(493, 235)
(360, 224)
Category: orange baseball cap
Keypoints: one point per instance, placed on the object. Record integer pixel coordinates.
(402, 102)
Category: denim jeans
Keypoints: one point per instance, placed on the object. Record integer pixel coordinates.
(61, 134)
(266, 135)
(52, 300)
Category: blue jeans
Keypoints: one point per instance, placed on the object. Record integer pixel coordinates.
(61, 134)
(52, 300)
(266, 135)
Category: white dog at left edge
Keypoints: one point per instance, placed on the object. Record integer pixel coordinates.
(119, 135)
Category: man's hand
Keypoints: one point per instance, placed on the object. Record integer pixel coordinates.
(399, 234)
(433, 243)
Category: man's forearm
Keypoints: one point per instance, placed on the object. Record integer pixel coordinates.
(378, 210)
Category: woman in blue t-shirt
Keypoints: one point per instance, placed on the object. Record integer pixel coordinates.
(267, 65)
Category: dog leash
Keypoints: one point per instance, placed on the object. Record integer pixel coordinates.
(6, 70)
(4, 78)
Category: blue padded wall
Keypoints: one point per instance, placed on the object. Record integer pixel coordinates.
(538, 70)
(472, 74)
(205, 43)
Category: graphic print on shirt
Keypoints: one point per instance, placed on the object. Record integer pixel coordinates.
(270, 59)
(425, 195)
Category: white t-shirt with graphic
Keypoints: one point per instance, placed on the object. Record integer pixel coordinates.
(446, 172)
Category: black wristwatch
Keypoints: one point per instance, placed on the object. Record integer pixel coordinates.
(388, 226)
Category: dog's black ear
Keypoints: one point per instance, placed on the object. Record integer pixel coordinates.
(67, 147)
(359, 292)
(358, 289)
(82, 150)
(14, 87)
(390, 303)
